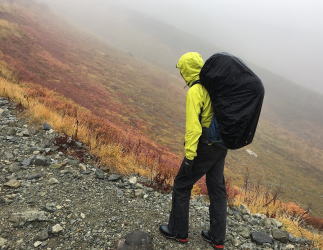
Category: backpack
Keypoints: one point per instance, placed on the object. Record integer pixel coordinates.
(237, 95)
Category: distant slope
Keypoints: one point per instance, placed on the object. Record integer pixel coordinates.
(114, 85)
(36, 46)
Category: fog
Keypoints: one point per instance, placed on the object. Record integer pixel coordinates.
(285, 37)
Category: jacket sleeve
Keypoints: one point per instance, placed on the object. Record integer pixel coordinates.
(194, 104)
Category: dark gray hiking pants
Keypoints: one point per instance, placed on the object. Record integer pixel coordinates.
(210, 161)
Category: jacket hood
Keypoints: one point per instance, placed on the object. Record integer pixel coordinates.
(190, 65)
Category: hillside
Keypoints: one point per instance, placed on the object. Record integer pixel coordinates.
(145, 101)
(51, 199)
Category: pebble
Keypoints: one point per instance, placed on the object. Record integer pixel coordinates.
(133, 180)
(114, 177)
(57, 229)
(3, 242)
(13, 183)
(53, 181)
(37, 243)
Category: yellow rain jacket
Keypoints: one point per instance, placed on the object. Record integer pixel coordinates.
(199, 110)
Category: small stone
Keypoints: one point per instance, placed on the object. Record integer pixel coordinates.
(261, 238)
(50, 207)
(13, 184)
(34, 176)
(133, 180)
(245, 233)
(14, 168)
(82, 167)
(276, 223)
(139, 193)
(41, 161)
(42, 235)
(27, 162)
(100, 174)
(53, 181)
(46, 127)
(37, 152)
(3, 242)
(57, 229)
(244, 209)
(114, 177)
(289, 247)
(137, 240)
(248, 246)
(82, 216)
(280, 235)
(37, 243)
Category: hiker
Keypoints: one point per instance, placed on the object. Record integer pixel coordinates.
(223, 106)
(202, 157)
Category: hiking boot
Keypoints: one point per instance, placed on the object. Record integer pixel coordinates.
(206, 236)
(165, 231)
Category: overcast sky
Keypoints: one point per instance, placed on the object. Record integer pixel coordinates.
(284, 36)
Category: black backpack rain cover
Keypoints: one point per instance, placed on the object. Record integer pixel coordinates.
(237, 95)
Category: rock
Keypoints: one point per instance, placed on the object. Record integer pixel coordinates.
(57, 229)
(247, 246)
(245, 233)
(82, 167)
(53, 181)
(244, 209)
(46, 127)
(261, 238)
(8, 155)
(22, 218)
(100, 174)
(82, 216)
(276, 223)
(41, 161)
(27, 162)
(14, 168)
(133, 180)
(37, 243)
(139, 192)
(34, 176)
(50, 207)
(13, 184)
(280, 235)
(1, 111)
(289, 247)
(3, 242)
(114, 177)
(12, 132)
(136, 240)
(42, 235)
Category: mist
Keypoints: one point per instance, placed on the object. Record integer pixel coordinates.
(285, 37)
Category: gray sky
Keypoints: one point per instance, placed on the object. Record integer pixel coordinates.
(284, 36)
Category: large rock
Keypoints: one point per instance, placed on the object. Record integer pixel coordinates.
(261, 238)
(21, 218)
(280, 235)
(136, 241)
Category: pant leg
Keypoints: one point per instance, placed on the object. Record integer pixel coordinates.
(218, 198)
(183, 184)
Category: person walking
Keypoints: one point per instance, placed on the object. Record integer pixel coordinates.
(205, 154)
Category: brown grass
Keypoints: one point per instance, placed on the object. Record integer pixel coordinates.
(124, 151)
